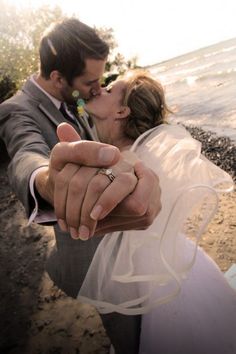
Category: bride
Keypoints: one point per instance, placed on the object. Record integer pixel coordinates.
(161, 273)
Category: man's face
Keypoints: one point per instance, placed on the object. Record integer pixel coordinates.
(87, 84)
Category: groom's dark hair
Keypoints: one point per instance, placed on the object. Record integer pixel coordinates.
(66, 45)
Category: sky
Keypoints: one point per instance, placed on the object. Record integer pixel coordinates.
(154, 30)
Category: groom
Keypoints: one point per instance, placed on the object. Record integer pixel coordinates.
(72, 59)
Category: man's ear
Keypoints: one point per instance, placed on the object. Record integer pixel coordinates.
(123, 112)
(57, 79)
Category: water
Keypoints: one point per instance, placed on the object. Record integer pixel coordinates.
(201, 87)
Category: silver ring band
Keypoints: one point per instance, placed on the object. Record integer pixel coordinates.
(107, 172)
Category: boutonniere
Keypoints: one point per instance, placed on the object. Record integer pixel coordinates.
(80, 103)
(80, 107)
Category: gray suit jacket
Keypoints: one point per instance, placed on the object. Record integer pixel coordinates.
(28, 123)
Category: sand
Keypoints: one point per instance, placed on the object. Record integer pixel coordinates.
(36, 317)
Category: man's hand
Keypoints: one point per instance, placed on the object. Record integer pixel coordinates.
(66, 159)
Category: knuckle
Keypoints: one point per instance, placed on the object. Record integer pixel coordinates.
(149, 217)
(77, 148)
(57, 149)
(76, 184)
(139, 209)
(97, 185)
(147, 220)
(53, 155)
(61, 181)
(128, 178)
(124, 166)
(153, 211)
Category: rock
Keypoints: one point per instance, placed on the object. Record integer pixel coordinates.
(220, 150)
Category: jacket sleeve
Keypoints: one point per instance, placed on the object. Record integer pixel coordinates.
(26, 147)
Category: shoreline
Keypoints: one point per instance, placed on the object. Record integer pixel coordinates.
(36, 317)
(221, 150)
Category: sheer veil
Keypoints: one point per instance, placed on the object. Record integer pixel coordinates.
(129, 267)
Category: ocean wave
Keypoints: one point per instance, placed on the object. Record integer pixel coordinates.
(201, 87)
(219, 77)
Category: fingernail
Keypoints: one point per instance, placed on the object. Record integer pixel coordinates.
(74, 233)
(62, 225)
(107, 154)
(96, 212)
(83, 233)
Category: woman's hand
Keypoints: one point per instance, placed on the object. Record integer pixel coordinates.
(103, 195)
(82, 196)
(139, 209)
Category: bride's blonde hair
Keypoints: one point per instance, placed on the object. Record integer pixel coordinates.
(146, 99)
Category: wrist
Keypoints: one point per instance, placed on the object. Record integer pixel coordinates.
(42, 186)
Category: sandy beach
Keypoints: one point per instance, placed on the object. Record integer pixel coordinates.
(35, 316)
(38, 318)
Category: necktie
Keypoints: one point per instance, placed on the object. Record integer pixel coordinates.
(69, 117)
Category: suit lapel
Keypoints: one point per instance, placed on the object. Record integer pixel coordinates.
(43, 102)
(53, 114)
(47, 107)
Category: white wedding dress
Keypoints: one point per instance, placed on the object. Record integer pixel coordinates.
(160, 272)
(200, 320)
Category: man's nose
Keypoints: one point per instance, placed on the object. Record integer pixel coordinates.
(96, 89)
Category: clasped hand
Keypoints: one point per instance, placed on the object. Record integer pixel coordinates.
(87, 203)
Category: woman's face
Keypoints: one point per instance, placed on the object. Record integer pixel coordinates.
(107, 111)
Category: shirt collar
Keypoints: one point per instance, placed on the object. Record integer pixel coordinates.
(54, 100)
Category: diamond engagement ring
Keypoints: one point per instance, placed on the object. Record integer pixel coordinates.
(107, 172)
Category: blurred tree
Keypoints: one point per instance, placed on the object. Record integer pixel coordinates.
(7, 88)
(20, 32)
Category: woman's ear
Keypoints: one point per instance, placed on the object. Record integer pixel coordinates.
(123, 112)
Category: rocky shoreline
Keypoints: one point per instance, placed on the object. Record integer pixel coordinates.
(219, 149)
(36, 317)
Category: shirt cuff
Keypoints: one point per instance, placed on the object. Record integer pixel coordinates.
(38, 215)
